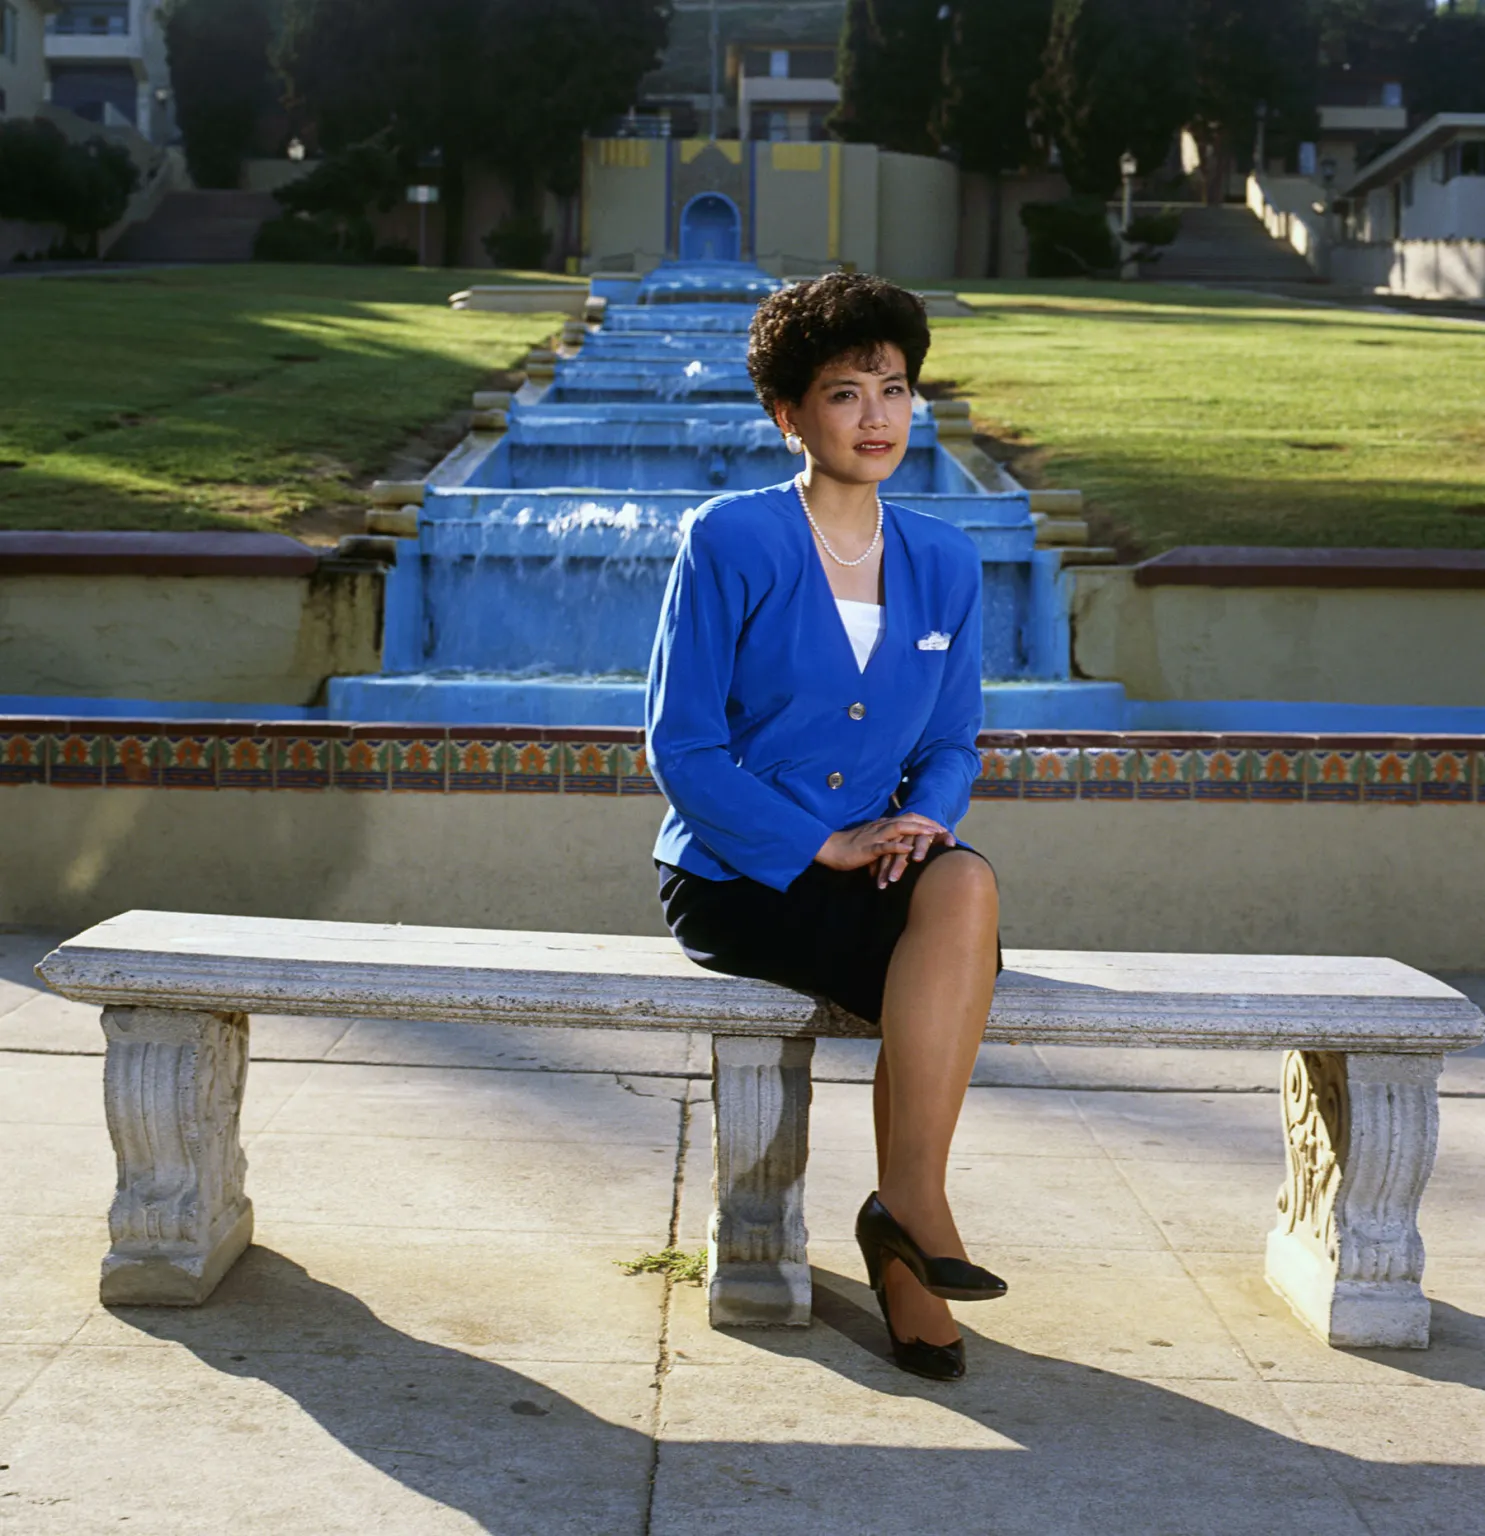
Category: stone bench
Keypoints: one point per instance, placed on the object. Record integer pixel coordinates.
(1364, 1039)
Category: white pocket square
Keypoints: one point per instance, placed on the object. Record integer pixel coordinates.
(934, 640)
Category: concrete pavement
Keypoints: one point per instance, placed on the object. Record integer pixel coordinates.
(431, 1333)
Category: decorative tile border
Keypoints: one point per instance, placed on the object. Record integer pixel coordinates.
(1014, 765)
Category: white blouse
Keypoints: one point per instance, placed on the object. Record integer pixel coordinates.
(864, 624)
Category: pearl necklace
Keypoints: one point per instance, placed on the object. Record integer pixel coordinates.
(819, 534)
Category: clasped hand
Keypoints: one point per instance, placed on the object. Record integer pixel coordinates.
(886, 845)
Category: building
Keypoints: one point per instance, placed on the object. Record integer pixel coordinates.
(1359, 114)
(1414, 218)
(106, 63)
(22, 58)
(794, 208)
(782, 93)
(1431, 186)
(747, 69)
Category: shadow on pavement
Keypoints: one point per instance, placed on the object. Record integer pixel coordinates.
(1029, 1445)
(508, 1451)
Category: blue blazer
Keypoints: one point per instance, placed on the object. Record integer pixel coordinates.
(763, 732)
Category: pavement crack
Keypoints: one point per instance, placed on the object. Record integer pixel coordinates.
(664, 1358)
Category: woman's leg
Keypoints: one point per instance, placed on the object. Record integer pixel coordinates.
(939, 987)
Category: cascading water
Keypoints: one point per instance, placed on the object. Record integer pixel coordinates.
(531, 593)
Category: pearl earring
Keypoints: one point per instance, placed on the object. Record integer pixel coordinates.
(793, 442)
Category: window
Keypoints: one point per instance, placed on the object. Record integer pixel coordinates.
(778, 63)
(9, 26)
(1407, 190)
(1392, 95)
(1466, 158)
(95, 18)
(812, 64)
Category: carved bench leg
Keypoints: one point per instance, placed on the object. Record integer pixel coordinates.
(1361, 1131)
(172, 1084)
(758, 1274)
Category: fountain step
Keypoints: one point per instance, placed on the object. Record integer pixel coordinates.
(486, 699)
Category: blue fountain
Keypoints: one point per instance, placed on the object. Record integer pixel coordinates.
(535, 582)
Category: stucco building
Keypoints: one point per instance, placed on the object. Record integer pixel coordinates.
(772, 66)
(106, 63)
(794, 208)
(22, 58)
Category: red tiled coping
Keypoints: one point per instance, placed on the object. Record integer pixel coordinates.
(1014, 765)
(1222, 566)
(154, 554)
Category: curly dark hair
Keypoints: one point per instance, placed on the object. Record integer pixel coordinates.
(845, 314)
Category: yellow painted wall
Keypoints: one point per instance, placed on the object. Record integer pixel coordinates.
(858, 224)
(1248, 879)
(816, 205)
(1302, 644)
(917, 217)
(793, 206)
(623, 214)
(232, 639)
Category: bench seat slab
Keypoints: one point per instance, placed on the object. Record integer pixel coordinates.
(173, 1081)
(1360, 1130)
(758, 1272)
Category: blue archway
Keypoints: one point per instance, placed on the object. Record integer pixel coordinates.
(711, 229)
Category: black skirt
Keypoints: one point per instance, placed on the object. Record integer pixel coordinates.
(832, 933)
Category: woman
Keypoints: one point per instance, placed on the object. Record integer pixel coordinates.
(813, 704)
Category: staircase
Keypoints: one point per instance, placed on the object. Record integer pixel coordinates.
(198, 226)
(1227, 245)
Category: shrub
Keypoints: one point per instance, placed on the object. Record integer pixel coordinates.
(295, 237)
(47, 179)
(1070, 238)
(1154, 228)
(338, 196)
(518, 240)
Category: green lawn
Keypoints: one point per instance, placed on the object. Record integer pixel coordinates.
(230, 397)
(1205, 418)
(269, 396)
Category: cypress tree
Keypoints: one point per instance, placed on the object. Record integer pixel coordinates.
(1117, 79)
(890, 70)
(992, 64)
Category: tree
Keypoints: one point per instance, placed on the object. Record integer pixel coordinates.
(890, 70)
(218, 52)
(504, 83)
(1446, 66)
(1244, 52)
(1370, 36)
(1117, 78)
(992, 63)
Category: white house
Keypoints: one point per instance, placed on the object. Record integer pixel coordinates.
(22, 58)
(106, 63)
(1415, 216)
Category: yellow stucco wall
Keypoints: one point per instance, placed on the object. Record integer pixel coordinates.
(917, 217)
(1308, 878)
(623, 208)
(1305, 644)
(859, 205)
(815, 206)
(228, 639)
(794, 213)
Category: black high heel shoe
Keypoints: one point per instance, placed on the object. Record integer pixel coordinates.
(938, 1362)
(881, 1236)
